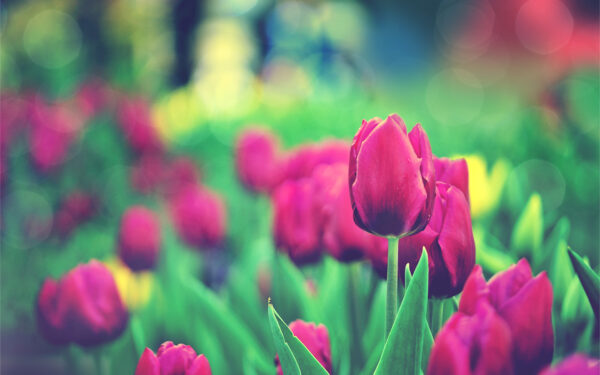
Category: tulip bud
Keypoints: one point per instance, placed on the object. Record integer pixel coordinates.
(297, 223)
(136, 122)
(529, 230)
(83, 307)
(316, 340)
(302, 162)
(525, 303)
(478, 343)
(257, 161)
(148, 173)
(453, 172)
(576, 364)
(342, 238)
(181, 174)
(392, 178)
(139, 238)
(199, 217)
(172, 360)
(75, 209)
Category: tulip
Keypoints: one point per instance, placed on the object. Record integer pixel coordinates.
(136, 288)
(297, 223)
(448, 239)
(342, 238)
(453, 172)
(148, 173)
(139, 238)
(576, 364)
(199, 217)
(392, 178)
(302, 162)
(172, 360)
(315, 338)
(83, 307)
(181, 174)
(75, 209)
(135, 120)
(485, 188)
(256, 157)
(525, 303)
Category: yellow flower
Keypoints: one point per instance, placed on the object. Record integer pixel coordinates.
(177, 114)
(135, 287)
(485, 189)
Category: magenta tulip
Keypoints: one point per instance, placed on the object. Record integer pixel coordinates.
(182, 173)
(257, 160)
(302, 161)
(136, 122)
(172, 360)
(453, 172)
(139, 238)
(392, 178)
(77, 208)
(297, 222)
(342, 238)
(315, 338)
(148, 173)
(83, 307)
(576, 364)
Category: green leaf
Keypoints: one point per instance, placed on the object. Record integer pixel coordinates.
(305, 361)
(137, 333)
(427, 345)
(288, 362)
(403, 349)
(528, 232)
(407, 275)
(589, 280)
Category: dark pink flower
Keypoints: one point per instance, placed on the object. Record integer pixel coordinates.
(139, 238)
(83, 307)
(392, 178)
(172, 360)
(148, 173)
(77, 208)
(136, 122)
(315, 338)
(257, 160)
(576, 364)
(181, 174)
(302, 161)
(453, 172)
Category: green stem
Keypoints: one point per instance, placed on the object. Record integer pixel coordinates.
(391, 304)
(355, 314)
(437, 315)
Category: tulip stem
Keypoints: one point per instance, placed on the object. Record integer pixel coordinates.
(391, 305)
(437, 315)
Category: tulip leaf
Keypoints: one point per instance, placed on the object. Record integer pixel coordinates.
(137, 333)
(407, 275)
(403, 349)
(427, 345)
(589, 280)
(306, 362)
(529, 230)
(288, 362)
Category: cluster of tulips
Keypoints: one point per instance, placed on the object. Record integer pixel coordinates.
(384, 198)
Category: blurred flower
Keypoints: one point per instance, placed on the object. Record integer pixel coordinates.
(199, 217)
(172, 359)
(181, 173)
(576, 364)
(302, 161)
(13, 117)
(525, 303)
(139, 238)
(136, 122)
(92, 96)
(315, 338)
(296, 221)
(392, 178)
(148, 173)
(448, 239)
(177, 114)
(83, 307)
(454, 172)
(485, 189)
(342, 238)
(257, 160)
(474, 343)
(135, 288)
(76, 208)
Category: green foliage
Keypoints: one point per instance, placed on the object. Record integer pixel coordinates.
(589, 280)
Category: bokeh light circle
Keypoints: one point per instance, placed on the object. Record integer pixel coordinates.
(27, 218)
(52, 39)
(537, 176)
(466, 25)
(544, 26)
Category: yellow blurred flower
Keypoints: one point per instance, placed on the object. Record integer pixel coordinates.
(177, 114)
(485, 189)
(135, 287)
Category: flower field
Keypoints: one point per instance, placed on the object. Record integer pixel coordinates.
(259, 187)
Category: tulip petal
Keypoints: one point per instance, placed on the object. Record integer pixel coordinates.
(200, 366)
(148, 364)
(475, 289)
(506, 284)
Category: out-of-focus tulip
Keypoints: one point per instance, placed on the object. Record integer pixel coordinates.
(136, 288)
(136, 122)
(257, 160)
(315, 338)
(525, 303)
(576, 364)
(172, 359)
(75, 209)
(448, 239)
(392, 178)
(485, 189)
(13, 116)
(302, 161)
(454, 172)
(342, 238)
(148, 173)
(199, 216)
(476, 343)
(181, 174)
(83, 307)
(139, 238)
(297, 221)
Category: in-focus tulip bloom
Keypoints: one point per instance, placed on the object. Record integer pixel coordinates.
(392, 177)
(315, 338)
(453, 172)
(448, 239)
(136, 122)
(172, 360)
(297, 221)
(199, 217)
(257, 160)
(139, 238)
(83, 307)
(576, 364)
(74, 210)
(342, 238)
